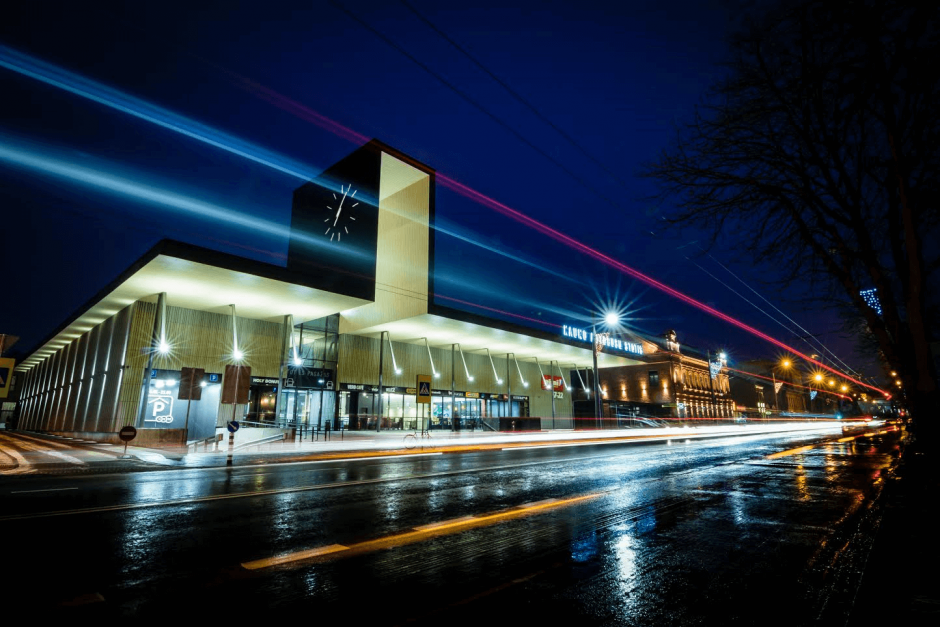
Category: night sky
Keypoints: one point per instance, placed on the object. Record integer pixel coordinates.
(300, 84)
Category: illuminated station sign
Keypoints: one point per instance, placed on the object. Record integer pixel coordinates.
(614, 343)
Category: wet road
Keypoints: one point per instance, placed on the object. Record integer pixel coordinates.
(740, 530)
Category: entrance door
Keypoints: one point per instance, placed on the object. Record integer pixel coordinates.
(295, 407)
(311, 407)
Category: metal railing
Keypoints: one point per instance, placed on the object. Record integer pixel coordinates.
(314, 432)
(272, 438)
(214, 439)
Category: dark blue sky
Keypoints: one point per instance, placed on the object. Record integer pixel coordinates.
(616, 77)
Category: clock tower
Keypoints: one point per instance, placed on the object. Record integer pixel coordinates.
(362, 229)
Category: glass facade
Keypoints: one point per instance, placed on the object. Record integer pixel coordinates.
(359, 409)
(309, 398)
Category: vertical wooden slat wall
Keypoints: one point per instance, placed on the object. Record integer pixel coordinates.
(94, 383)
(197, 339)
(135, 361)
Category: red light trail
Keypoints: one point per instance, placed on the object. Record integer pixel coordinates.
(309, 115)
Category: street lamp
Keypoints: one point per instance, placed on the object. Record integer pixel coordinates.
(722, 358)
(611, 319)
(784, 365)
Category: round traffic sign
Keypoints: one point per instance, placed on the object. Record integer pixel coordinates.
(233, 426)
(127, 433)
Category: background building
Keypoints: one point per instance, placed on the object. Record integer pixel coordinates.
(667, 384)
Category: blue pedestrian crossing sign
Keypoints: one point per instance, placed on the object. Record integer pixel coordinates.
(423, 389)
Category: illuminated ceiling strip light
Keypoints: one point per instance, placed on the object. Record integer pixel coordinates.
(293, 342)
(161, 301)
(388, 336)
(495, 374)
(237, 354)
(562, 375)
(465, 369)
(541, 374)
(431, 359)
(525, 383)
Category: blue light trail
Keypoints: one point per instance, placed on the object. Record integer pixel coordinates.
(71, 82)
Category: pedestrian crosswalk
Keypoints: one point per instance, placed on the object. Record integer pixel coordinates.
(22, 453)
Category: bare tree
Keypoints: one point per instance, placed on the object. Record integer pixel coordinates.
(818, 152)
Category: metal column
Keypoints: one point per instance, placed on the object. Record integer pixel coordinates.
(378, 419)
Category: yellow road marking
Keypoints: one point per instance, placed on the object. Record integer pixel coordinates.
(421, 533)
(792, 451)
(293, 557)
(446, 523)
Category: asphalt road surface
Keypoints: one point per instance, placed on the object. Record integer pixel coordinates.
(770, 530)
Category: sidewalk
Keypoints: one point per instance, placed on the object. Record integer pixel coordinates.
(900, 585)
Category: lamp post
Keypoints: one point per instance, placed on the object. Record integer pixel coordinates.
(711, 382)
(784, 365)
(611, 319)
(597, 385)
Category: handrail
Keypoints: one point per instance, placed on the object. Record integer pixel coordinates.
(205, 441)
(252, 423)
(271, 438)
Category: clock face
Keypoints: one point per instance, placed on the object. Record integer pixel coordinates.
(341, 213)
(334, 226)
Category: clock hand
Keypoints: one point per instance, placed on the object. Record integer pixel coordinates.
(341, 205)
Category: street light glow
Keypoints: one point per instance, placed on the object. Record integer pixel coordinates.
(785, 363)
(612, 319)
